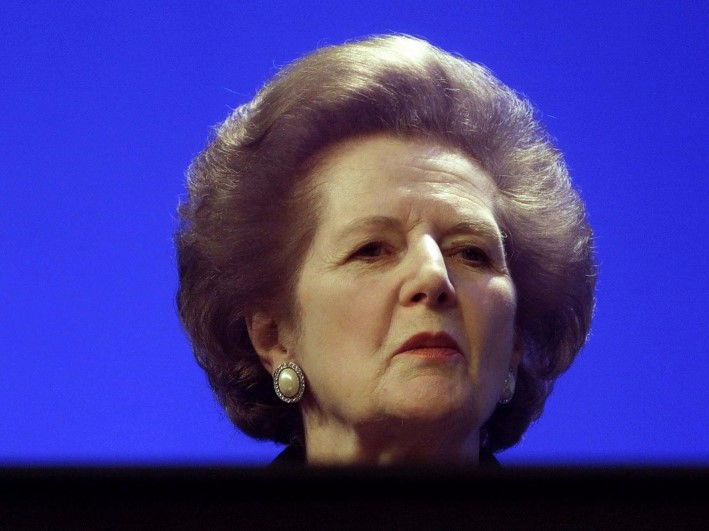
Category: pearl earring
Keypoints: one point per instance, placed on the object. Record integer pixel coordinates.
(289, 382)
(508, 389)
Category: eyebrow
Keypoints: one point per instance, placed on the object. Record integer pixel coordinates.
(369, 222)
(479, 226)
(473, 226)
(487, 231)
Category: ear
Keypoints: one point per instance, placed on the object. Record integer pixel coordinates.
(267, 337)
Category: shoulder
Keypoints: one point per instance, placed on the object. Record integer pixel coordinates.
(291, 455)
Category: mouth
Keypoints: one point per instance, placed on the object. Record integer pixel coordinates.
(431, 345)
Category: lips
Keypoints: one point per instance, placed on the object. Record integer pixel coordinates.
(428, 342)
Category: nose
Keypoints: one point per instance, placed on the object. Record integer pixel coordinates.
(426, 278)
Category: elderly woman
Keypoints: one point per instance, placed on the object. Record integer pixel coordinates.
(382, 259)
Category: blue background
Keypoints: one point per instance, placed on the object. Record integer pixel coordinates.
(104, 104)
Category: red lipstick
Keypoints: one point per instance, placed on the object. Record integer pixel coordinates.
(431, 345)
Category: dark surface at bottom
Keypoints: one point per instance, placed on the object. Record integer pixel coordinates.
(353, 498)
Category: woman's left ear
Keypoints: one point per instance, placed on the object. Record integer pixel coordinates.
(267, 338)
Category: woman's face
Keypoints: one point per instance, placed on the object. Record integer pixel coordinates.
(406, 308)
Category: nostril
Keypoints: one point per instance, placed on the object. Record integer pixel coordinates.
(442, 297)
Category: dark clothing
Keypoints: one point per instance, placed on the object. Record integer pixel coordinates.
(291, 455)
(294, 455)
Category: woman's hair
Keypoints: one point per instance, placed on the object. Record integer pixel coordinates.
(247, 223)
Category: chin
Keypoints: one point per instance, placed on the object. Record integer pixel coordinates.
(433, 405)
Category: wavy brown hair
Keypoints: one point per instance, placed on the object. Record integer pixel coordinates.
(247, 223)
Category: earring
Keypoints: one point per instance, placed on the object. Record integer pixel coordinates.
(289, 382)
(508, 389)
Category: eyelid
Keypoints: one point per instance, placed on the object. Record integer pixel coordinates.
(472, 247)
(468, 243)
(493, 256)
(371, 244)
(356, 252)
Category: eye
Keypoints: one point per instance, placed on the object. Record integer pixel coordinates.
(474, 256)
(370, 250)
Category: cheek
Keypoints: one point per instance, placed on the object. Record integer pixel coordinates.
(501, 298)
(342, 328)
(341, 317)
(490, 318)
(490, 323)
(506, 295)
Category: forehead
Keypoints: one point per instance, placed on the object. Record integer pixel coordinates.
(372, 171)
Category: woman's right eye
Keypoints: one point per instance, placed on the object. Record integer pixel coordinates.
(369, 251)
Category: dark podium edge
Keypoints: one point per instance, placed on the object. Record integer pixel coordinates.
(297, 497)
